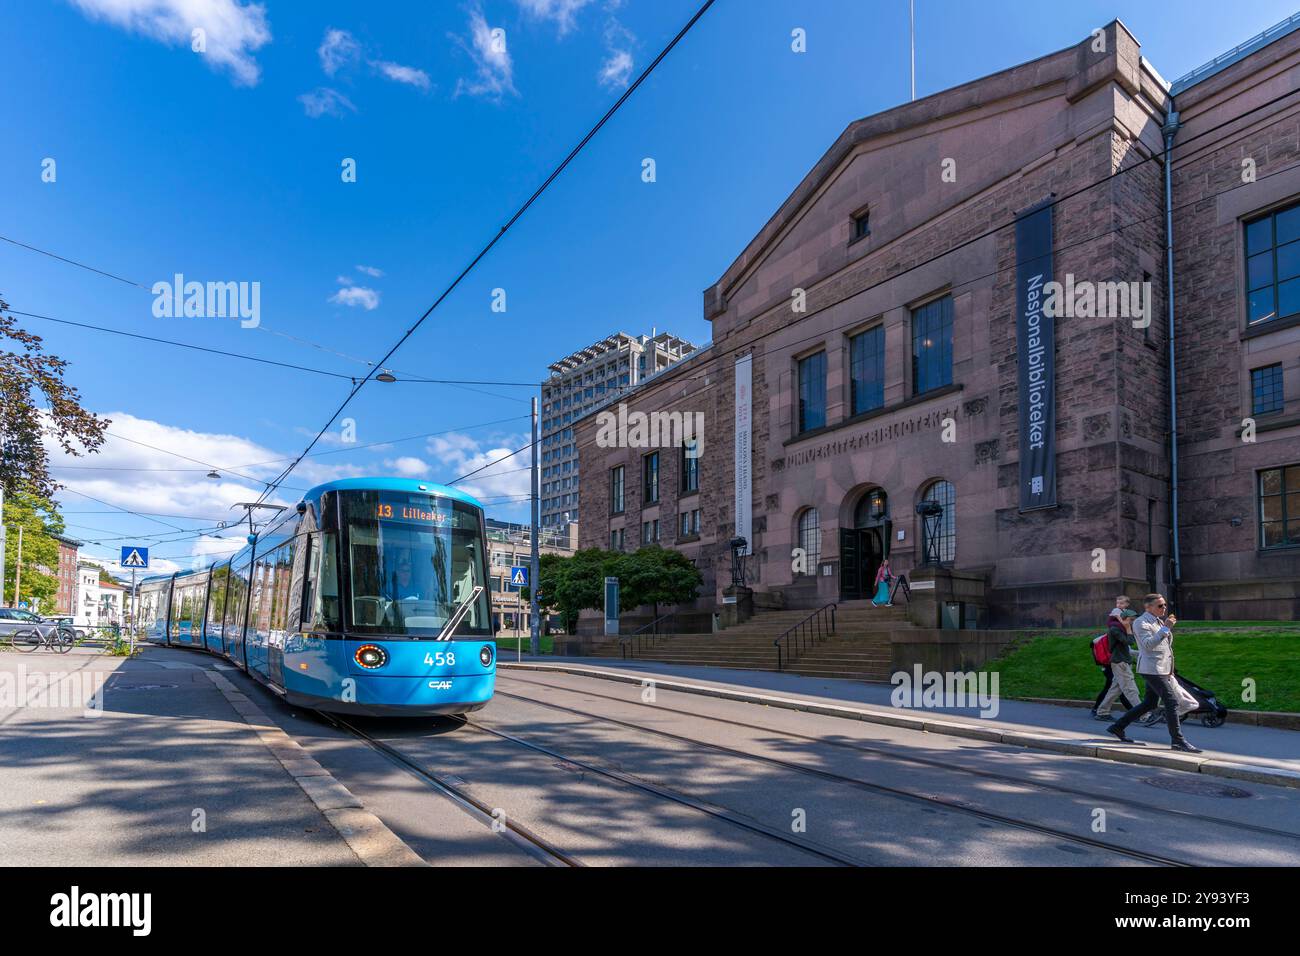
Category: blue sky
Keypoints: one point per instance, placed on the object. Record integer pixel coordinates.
(225, 166)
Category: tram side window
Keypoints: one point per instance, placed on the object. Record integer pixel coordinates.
(236, 604)
(217, 600)
(321, 592)
(280, 563)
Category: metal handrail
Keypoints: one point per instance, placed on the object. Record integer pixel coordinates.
(629, 644)
(804, 633)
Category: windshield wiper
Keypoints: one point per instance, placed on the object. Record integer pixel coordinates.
(455, 619)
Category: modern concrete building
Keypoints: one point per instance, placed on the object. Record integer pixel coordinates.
(951, 345)
(578, 383)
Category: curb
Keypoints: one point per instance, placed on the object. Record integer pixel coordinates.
(1277, 719)
(365, 834)
(1167, 760)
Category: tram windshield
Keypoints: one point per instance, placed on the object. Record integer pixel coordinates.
(413, 560)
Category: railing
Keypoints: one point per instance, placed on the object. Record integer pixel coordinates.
(812, 628)
(644, 637)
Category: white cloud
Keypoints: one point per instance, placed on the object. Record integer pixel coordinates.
(233, 30)
(371, 271)
(408, 467)
(128, 475)
(491, 55)
(337, 51)
(356, 295)
(616, 70)
(460, 454)
(324, 101)
(403, 74)
(561, 12)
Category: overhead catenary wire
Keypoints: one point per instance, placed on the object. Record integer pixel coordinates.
(519, 213)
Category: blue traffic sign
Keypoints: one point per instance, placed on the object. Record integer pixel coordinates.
(135, 558)
(519, 576)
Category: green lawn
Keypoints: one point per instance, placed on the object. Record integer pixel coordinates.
(1216, 656)
(512, 643)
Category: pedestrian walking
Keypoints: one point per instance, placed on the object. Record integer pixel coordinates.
(1155, 639)
(1122, 687)
(1116, 613)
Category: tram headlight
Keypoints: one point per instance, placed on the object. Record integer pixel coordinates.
(485, 655)
(371, 656)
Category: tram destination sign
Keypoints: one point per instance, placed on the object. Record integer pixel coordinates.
(402, 508)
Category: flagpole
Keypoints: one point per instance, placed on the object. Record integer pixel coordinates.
(911, 22)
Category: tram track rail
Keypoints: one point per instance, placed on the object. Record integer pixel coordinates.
(1136, 805)
(956, 806)
(531, 841)
(721, 813)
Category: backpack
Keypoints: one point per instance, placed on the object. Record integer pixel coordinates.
(1101, 650)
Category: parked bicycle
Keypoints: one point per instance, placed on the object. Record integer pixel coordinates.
(58, 640)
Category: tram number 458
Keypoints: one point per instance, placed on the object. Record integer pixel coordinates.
(439, 658)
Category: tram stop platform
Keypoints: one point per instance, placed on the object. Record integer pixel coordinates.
(1237, 749)
(160, 760)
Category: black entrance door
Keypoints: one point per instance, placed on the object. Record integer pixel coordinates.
(850, 565)
(860, 552)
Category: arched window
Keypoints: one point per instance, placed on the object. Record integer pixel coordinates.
(810, 540)
(872, 509)
(945, 536)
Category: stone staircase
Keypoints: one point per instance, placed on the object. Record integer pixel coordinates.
(858, 650)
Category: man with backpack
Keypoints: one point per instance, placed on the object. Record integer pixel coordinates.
(1117, 640)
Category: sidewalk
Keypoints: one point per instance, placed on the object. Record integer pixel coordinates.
(1241, 751)
(164, 767)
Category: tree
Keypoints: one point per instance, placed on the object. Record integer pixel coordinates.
(25, 374)
(39, 520)
(571, 584)
(651, 575)
(654, 575)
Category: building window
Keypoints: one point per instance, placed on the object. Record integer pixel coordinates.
(867, 370)
(650, 478)
(1266, 390)
(650, 532)
(616, 490)
(860, 227)
(690, 467)
(945, 535)
(932, 345)
(810, 540)
(812, 392)
(1273, 265)
(1279, 507)
(616, 539)
(690, 523)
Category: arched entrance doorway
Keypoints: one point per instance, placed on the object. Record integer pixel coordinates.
(863, 546)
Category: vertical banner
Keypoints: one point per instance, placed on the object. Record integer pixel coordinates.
(1036, 359)
(744, 450)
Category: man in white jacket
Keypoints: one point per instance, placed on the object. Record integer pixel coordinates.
(1155, 637)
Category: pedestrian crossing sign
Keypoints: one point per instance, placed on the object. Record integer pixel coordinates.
(518, 576)
(135, 558)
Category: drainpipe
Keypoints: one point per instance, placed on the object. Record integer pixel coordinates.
(1175, 564)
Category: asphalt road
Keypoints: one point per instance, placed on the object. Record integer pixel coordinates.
(689, 780)
(595, 775)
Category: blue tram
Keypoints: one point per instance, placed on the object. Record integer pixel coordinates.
(370, 597)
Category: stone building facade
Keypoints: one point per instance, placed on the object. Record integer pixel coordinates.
(866, 342)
